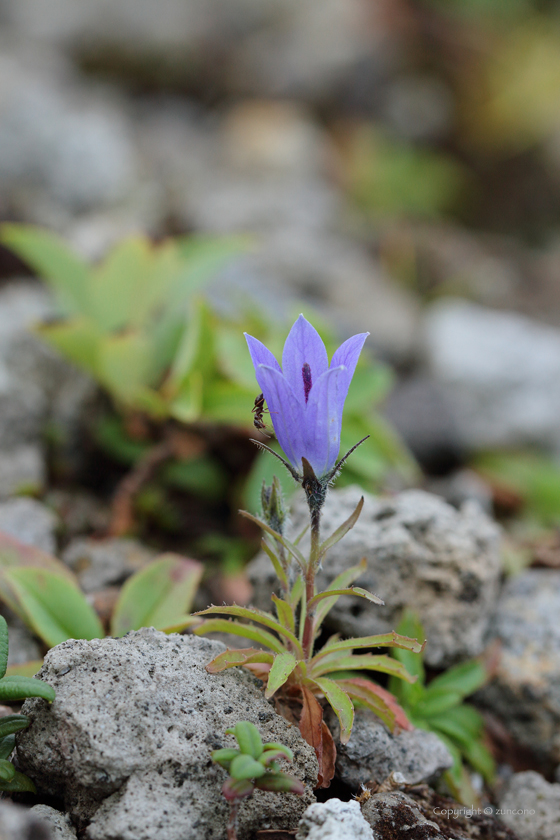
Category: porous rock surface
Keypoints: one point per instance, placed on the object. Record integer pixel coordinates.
(59, 824)
(421, 553)
(22, 824)
(126, 744)
(373, 753)
(531, 807)
(525, 691)
(421, 814)
(334, 820)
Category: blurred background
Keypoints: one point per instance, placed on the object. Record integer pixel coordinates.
(396, 164)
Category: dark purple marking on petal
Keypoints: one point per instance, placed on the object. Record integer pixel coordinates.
(303, 346)
(307, 380)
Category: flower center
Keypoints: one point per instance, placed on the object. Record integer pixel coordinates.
(306, 374)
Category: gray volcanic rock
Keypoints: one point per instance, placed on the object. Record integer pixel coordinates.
(334, 820)
(30, 522)
(22, 469)
(531, 807)
(101, 563)
(421, 553)
(18, 823)
(373, 753)
(60, 825)
(127, 742)
(503, 371)
(525, 692)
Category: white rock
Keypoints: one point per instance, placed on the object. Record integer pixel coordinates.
(334, 820)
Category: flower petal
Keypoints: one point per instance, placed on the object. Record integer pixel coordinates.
(347, 355)
(260, 355)
(303, 346)
(323, 420)
(286, 412)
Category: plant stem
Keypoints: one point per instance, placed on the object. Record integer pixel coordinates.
(308, 640)
(232, 821)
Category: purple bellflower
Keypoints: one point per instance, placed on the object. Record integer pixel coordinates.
(306, 397)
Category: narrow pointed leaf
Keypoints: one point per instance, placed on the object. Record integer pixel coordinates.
(353, 590)
(436, 702)
(411, 626)
(464, 679)
(52, 606)
(285, 613)
(274, 751)
(294, 551)
(66, 273)
(279, 571)
(341, 704)
(247, 631)
(254, 615)
(342, 530)
(13, 723)
(378, 699)
(19, 784)
(3, 645)
(341, 581)
(368, 662)
(282, 667)
(7, 770)
(159, 595)
(77, 339)
(234, 658)
(385, 640)
(297, 592)
(7, 746)
(18, 688)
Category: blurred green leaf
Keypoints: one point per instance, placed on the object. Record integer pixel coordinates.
(464, 679)
(18, 688)
(281, 669)
(47, 254)
(160, 596)
(78, 339)
(52, 606)
(534, 477)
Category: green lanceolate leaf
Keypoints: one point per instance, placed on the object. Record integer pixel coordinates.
(119, 284)
(285, 613)
(52, 606)
(3, 645)
(341, 581)
(124, 364)
(7, 771)
(18, 688)
(464, 679)
(368, 662)
(278, 569)
(280, 782)
(282, 667)
(234, 658)
(384, 640)
(294, 551)
(159, 595)
(410, 625)
(297, 591)
(462, 723)
(341, 704)
(10, 724)
(255, 615)
(65, 272)
(247, 631)
(18, 784)
(272, 751)
(248, 738)
(372, 698)
(342, 530)
(354, 590)
(7, 746)
(436, 702)
(77, 339)
(480, 760)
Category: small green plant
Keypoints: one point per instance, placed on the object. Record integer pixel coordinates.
(13, 688)
(305, 401)
(46, 595)
(252, 765)
(439, 707)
